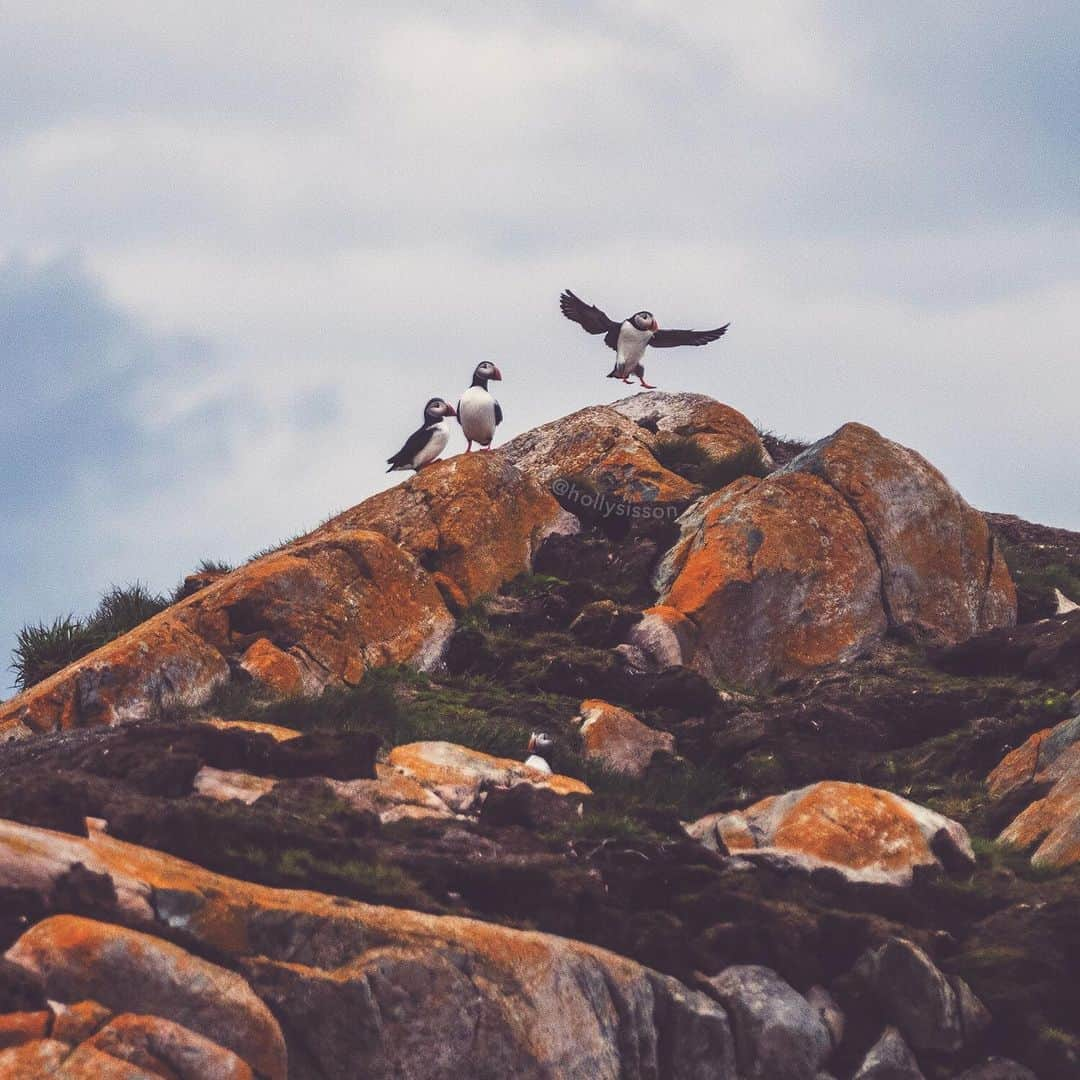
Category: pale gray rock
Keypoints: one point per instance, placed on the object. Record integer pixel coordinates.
(779, 1035)
(889, 1059)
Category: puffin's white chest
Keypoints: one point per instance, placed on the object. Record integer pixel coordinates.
(631, 350)
(476, 411)
(440, 436)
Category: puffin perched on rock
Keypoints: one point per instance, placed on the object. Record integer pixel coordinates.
(630, 337)
(540, 743)
(478, 412)
(425, 444)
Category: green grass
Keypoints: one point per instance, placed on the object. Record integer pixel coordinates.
(42, 649)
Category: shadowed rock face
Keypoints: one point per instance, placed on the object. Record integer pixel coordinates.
(360, 990)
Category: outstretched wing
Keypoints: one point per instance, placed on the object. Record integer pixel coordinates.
(668, 339)
(588, 316)
(498, 414)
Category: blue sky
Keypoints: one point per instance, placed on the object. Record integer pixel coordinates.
(237, 256)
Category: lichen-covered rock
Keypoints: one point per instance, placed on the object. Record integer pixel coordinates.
(943, 577)
(277, 670)
(129, 971)
(1049, 763)
(20, 1027)
(604, 451)
(889, 1058)
(167, 1049)
(777, 576)
(457, 774)
(778, 1034)
(619, 740)
(932, 1011)
(225, 785)
(475, 518)
(665, 637)
(717, 429)
(337, 604)
(382, 992)
(867, 834)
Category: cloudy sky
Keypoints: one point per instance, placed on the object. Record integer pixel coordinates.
(240, 249)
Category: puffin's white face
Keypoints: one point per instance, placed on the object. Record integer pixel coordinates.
(540, 742)
(644, 320)
(487, 370)
(436, 409)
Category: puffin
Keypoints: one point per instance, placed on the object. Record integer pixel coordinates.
(478, 412)
(540, 743)
(429, 440)
(630, 337)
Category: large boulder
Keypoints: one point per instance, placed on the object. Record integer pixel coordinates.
(943, 577)
(1047, 767)
(778, 577)
(336, 605)
(779, 1035)
(364, 990)
(811, 565)
(618, 740)
(475, 518)
(864, 833)
(130, 971)
(933, 1011)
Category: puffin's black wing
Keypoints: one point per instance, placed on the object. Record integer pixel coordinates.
(413, 445)
(668, 339)
(588, 316)
(498, 414)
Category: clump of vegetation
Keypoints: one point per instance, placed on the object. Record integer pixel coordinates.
(694, 463)
(42, 649)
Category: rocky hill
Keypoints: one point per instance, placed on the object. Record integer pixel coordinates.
(814, 807)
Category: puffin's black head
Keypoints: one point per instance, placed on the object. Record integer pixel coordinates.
(645, 320)
(486, 370)
(436, 409)
(540, 742)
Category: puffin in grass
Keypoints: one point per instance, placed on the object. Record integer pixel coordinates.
(478, 412)
(425, 444)
(630, 338)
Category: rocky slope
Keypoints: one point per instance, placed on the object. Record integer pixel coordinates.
(285, 827)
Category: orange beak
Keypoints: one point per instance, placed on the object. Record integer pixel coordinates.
(450, 410)
(498, 375)
(532, 743)
(655, 325)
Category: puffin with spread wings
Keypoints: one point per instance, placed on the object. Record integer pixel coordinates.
(630, 337)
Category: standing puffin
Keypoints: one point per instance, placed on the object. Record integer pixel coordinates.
(478, 412)
(540, 743)
(428, 441)
(630, 337)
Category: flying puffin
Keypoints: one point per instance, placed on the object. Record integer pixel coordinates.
(540, 743)
(478, 412)
(630, 337)
(426, 443)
